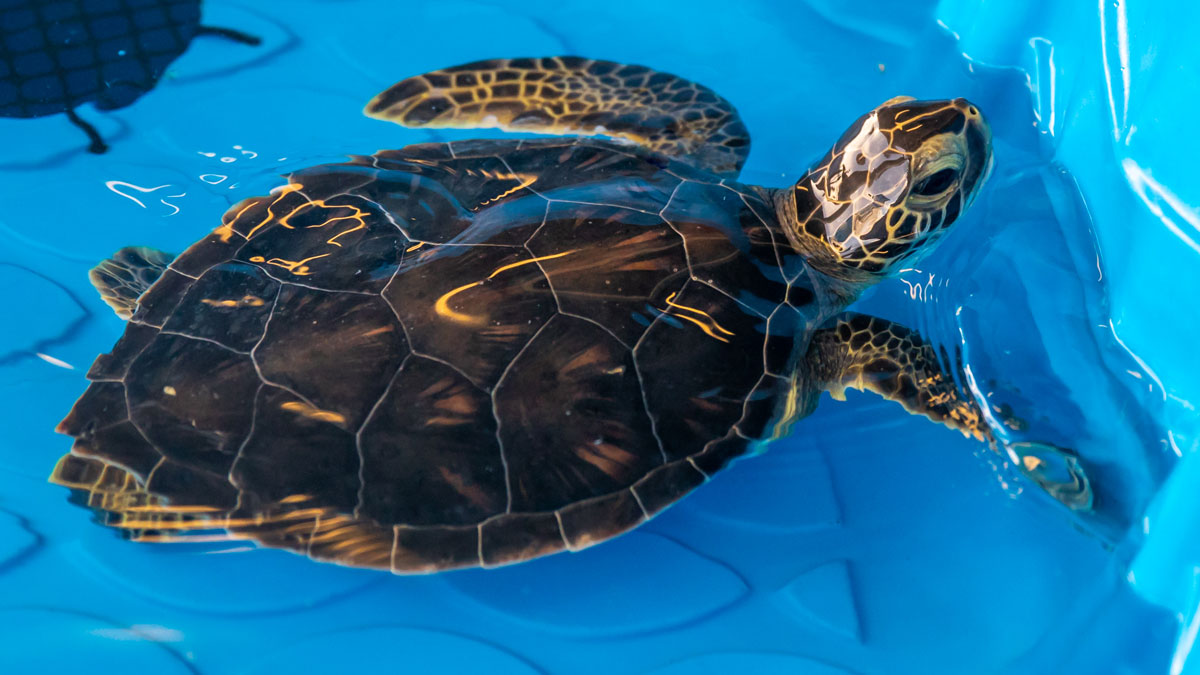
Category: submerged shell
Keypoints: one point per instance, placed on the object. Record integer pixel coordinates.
(451, 355)
(55, 56)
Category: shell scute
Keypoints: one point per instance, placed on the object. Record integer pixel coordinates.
(193, 400)
(229, 304)
(450, 355)
(337, 350)
(320, 456)
(430, 452)
(474, 307)
(568, 424)
(610, 265)
(693, 405)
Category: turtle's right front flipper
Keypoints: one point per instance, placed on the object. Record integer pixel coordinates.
(857, 351)
(577, 96)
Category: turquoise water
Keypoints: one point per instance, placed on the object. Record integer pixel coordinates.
(871, 541)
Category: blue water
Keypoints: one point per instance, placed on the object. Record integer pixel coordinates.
(872, 541)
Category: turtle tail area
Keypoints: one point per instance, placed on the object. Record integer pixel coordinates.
(121, 501)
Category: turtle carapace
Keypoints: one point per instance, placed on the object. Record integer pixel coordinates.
(477, 353)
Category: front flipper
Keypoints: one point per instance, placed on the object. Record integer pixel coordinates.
(572, 95)
(123, 278)
(862, 352)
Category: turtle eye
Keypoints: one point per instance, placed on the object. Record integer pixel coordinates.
(935, 184)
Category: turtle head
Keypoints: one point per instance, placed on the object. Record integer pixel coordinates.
(893, 183)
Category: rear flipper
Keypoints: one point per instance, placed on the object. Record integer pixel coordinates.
(572, 95)
(123, 278)
(862, 352)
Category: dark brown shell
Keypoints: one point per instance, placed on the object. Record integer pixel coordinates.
(448, 355)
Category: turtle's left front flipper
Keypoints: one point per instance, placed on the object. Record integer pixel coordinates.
(857, 351)
(575, 96)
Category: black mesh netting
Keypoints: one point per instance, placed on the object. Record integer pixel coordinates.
(57, 54)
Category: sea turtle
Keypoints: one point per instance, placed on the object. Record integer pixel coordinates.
(56, 55)
(477, 353)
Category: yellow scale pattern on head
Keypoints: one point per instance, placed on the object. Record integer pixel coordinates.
(878, 251)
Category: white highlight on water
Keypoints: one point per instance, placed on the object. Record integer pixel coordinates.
(1154, 194)
(55, 362)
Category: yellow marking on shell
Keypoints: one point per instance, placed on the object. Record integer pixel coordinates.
(1030, 462)
(225, 232)
(414, 247)
(245, 301)
(313, 413)
(297, 267)
(182, 525)
(187, 538)
(158, 508)
(709, 325)
(708, 331)
(510, 266)
(299, 514)
(357, 215)
(442, 306)
(525, 182)
(283, 192)
(791, 410)
(670, 301)
(332, 528)
(378, 331)
(334, 239)
(147, 518)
